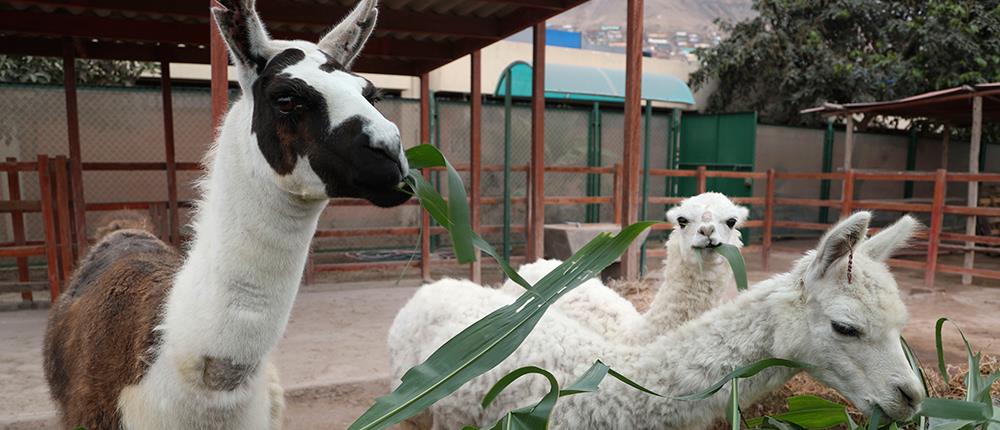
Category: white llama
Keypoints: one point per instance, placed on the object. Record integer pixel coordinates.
(693, 277)
(838, 310)
(145, 338)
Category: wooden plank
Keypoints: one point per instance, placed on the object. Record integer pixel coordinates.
(672, 173)
(975, 143)
(801, 225)
(79, 220)
(616, 194)
(849, 143)
(945, 142)
(368, 232)
(49, 220)
(65, 218)
(835, 176)
(989, 240)
(579, 169)
(22, 251)
(969, 177)
(425, 138)
(568, 200)
(909, 264)
(768, 217)
(972, 212)
(656, 200)
(753, 201)
(18, 206)
(219, 71)
(735, 175)
(891, 206)
(937, 221)
(17, 225)
(861, 175)
(170, 154)
(536, 204)
(965, 271)
(785, 201)
(475, 154)
(847, 199)
(632, 149)
(702, 179)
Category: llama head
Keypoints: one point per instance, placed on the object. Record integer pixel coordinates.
(314, 121)
(705, 221)
(854, 316)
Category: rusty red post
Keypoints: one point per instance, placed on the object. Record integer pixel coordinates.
(17, 225)
(632, 152)
(220, 71)
(170, 153)
(536, 175)
(425, 138)
(768, 217)
(475, 155)
(937, 222)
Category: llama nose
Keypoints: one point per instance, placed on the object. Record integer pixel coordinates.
(910, 397)
(706, 230)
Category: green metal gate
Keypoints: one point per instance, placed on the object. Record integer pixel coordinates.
(718, 142)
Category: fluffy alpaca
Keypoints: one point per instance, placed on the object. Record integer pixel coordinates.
(838, 310)
(147, 339)
(693, 278)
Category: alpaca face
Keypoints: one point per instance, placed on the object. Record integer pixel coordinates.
(855, 316)
(706, 221)
(317, 130)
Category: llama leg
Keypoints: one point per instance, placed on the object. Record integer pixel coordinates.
(277, 397)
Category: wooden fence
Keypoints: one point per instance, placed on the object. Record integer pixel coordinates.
(64, 219)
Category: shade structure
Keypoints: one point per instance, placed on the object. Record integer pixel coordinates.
(412, 37)
(580, 83)
(952, 105)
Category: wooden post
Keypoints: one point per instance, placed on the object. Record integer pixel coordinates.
(425, 138)
(220, 72)
(79, 220)
(702, 179)
(632, 152)
(847, 199)
(849, 142)
(945, 140)
(768, 217)
(937, 219)
(616, 194)
(49, 219)
(17, 225)
(65, 219)
(536, 175)
(975, 143)
(168, 140)
(475, 155)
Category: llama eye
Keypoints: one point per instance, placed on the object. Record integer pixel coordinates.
(682, 222)
(731, 222)
(845, 330)
(287, 104)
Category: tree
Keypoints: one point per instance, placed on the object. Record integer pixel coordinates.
(797, 54)
(49, 70)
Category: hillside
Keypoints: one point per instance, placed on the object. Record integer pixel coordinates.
(661, 15)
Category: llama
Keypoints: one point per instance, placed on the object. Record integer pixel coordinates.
(693, 278)
(838, 310)
(147, 338)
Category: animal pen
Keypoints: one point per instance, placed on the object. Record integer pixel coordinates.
(409, 42)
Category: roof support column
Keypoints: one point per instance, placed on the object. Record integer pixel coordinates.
(170, 154)
(632, 150)
(974, 149)
(220, 72)
(475, 154)
(849, 142)
(425, 138)
(945, 141)
(75, 154)
(536, 201)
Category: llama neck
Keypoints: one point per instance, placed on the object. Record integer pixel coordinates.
(686, 291)
(758, 324)
(234, 292)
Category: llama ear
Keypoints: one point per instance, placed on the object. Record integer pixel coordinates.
(345, 41)
(839, 241)
(244, 33)
(742, 213)
(882, 245)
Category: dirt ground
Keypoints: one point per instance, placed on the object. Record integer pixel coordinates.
(333, 358)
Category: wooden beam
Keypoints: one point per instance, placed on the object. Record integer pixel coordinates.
(937, 221)
(284, 14)
(551, 5)
(425, 138)
(220, 73)
(632, 151)
(17, 225)
(975, 146)
(170, 153)
(536, 202)
(475, 153)
(49, 220)
(79, 220)
(945, 141)
(849, 143)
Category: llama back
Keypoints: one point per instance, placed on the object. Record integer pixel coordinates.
(100, 333)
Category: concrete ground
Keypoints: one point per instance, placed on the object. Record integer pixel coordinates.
(333, 359)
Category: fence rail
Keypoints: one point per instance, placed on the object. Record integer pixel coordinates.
(64, 241)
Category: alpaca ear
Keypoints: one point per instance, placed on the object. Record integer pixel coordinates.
(882, 245)
(244, 33)
(838, 242)
(742, 213)
(345, 41)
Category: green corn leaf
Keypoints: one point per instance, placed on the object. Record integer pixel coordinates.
(952, 409)
(734, 404)
(953, 425)
(940, 347)
(735, 259)
(422, 156)
(591, 379)
(914, 364)
(743, 372)
(876, 419)
(772, 423)
(534, 417)
(487, 342)
(811, 412)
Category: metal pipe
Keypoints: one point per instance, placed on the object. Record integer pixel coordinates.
(508, 76)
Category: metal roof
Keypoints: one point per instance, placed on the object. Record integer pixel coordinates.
(593, 84)
(952, 105)
(412, 37)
